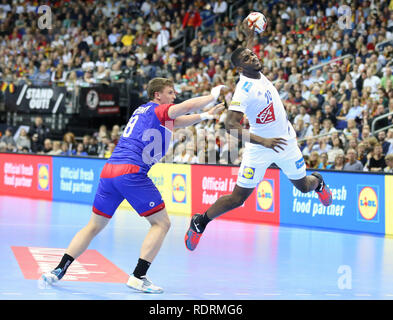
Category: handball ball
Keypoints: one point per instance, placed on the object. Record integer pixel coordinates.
(257, 19)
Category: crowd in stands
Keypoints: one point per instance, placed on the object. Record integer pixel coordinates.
(332, 107)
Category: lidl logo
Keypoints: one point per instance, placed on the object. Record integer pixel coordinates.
(179, 194)
(43, 177)
(265, 196)
(248, 172)
(368, 203)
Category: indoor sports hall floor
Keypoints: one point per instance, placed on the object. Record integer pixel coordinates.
(233, 261)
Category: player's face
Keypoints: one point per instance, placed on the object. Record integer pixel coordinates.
(250, 61)
(167, 95)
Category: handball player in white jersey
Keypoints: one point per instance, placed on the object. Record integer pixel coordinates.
(271, 139)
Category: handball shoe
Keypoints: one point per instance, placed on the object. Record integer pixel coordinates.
(143, 285)
(194, 233)
(53, 276)
(323, 191)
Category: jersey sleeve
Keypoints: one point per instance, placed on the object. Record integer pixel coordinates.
(240, 97)
(162, 113)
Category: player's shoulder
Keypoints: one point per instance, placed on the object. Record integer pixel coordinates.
(245, 85)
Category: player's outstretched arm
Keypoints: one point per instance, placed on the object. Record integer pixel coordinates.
(191, 119)
(233, 126)
(249, 33)
(195, 104)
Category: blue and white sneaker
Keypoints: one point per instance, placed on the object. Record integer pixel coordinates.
(53, 276)
(143, 285)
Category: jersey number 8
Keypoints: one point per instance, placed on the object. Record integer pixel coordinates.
(130, 126)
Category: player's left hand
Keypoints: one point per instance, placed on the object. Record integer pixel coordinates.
(217, 109)
(248, 31)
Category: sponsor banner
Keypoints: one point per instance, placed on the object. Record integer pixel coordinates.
(91, 266)
(99, 101)
(389, 204)
(358, 203)
(76, 179)
(26, 176)
(34, 99)
(211, 182)
(174, 183)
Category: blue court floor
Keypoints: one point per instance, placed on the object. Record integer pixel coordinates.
(233, 261)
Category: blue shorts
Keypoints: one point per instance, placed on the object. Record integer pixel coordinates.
(125, 181)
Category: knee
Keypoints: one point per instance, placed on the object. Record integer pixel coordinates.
(94, 229)
(303, 188)
(164, 224)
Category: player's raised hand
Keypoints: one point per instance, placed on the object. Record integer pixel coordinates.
(273, 143)
(249, 32)
(216, 91)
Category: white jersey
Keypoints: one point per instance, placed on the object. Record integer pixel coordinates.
(259, 100)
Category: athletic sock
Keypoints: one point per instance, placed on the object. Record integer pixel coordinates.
(141, 268)
(64, 264)
(204, 220)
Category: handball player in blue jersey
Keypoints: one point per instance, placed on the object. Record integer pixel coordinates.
(144, 142)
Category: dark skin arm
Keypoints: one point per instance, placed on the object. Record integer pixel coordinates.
(249, 33)
(233, 127)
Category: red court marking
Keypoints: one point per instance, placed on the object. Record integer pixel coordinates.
(91, 266)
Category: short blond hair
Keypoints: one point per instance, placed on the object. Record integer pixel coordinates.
(157, 85)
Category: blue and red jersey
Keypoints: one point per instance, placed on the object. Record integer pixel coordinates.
(146, 137)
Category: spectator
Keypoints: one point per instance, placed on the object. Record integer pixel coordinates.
(338, 162)
(352, 164)
(56, 148)
(324, 164)
(42, 77)
(47, 146)
(8, 139)
(377, 160)
(65, 150)
(314, 160)
(40, 129)
(191, 20)
(69, 137)
(93, 147)
(80, 150)
(23, 141)
(382, 140)
(109, 150)
(362, 153)
(389, 163)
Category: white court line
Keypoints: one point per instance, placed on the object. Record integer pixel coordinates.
(362, 295)
(272, 294)
(212, 294)
(79, 293)
(179, 294)
(242, 294)
(303, 294)
(114, 293)
(47, 293)
(12, 293)
(389, 294)
(333, 294)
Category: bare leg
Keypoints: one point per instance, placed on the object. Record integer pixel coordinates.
(82, 239)
(160, 225)
(229, 202)
(306, 184)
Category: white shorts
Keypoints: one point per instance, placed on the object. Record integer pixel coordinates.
(256, 159)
